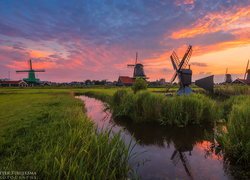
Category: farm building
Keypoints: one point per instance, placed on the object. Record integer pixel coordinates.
(125, 81)
(242, 81)
(246, 79)
(19, 83)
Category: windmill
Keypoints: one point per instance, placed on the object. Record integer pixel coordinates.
(228, 77)
(185, 75)
(138, 68)
(31, 74)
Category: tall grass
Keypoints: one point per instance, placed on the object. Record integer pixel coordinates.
(236, 139)
(193, 109)
(50, 134)
(228, 104)
(178, 110)
(232, 89)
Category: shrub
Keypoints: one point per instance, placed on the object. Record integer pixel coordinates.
(236, 140)
(140, 84)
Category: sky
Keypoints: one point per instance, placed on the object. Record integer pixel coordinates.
(95, 39)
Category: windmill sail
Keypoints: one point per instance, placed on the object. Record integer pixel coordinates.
(246, 70)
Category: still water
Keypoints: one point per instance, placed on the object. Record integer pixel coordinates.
(164, 152)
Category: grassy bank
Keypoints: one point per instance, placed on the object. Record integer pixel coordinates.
(236, 139)
(232, 90)
(50, 134)
(176, 110)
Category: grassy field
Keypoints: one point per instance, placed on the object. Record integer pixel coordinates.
(29, 117)
(47, 132)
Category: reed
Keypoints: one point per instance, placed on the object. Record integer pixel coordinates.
(236, 138)
(185, 110)
(148, 107)
(57, 140)
(145, 106)
(123, 104)
(232, 90)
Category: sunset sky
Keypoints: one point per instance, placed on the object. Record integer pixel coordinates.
(75, 40)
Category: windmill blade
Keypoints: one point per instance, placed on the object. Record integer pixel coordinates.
(185, 58)
(131, 65)
(20, 71)
(30, 64)
(188, 56)
(174, 77)
(136, 57)
(246, 70)
(174, 63)
(39, 70)
(175, 58)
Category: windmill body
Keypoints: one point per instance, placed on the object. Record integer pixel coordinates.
(183, 74)
(31, 74)
(228, 77)
(138, 69)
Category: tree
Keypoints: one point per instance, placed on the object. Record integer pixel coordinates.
(140, 84)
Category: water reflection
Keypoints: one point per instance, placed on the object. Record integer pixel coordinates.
(183, 139)
(169, 152)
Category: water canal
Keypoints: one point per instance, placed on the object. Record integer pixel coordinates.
(164, 152)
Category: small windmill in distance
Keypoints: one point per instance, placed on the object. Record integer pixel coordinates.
(31, 74)
(138, 68)
(228, 77)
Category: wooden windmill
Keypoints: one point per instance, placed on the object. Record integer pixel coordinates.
(228, 77)
(138, 68)
(31, 74)
(184, 75)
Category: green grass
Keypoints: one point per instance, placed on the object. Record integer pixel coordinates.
(236, 139)
(145, 106)
(35, 113)
(232, 90)
(51, 135)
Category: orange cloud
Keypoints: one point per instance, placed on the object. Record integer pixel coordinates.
(38, 54)
(214, 22)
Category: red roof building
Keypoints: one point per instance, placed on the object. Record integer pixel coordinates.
(125, 81)
(19, 83)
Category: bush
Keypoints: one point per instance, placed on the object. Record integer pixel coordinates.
(236, 140)
(184, 110)
(140, 84)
